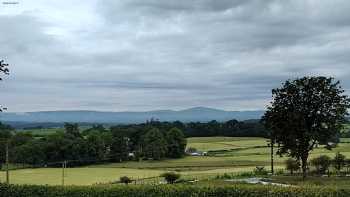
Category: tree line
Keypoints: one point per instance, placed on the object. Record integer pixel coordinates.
(94, 145)
(230, 128)
(153, 139)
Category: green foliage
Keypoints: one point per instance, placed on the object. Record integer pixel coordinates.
(120, 145)
(233, 128)
(29, 153)
(345, 133)
(260, 171)
(126, 180)
(292, 165)
(72, 129)
(305, 112)
(20, 138)
(176, 143)
(321, 163)
(99, 128)
(225, 176)
(155, 145)
(339, 161)
(5, 131)
(191, 150)
(241, 190)
(279, 172)
(170, 177)
(94, 145)
(96, 148)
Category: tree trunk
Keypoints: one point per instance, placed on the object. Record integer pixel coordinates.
(304, 165)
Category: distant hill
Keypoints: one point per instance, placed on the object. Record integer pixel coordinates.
(201, 114)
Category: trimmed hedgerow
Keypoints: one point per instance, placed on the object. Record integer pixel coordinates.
(168, 191)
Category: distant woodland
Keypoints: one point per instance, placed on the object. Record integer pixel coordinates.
(98, 143)
(151, 140)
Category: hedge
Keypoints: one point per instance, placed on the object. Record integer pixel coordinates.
(168, 191)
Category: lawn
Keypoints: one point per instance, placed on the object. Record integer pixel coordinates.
(76, 176)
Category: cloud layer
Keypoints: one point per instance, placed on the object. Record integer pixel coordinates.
(149, 54)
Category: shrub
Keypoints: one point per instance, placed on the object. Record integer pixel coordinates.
(125, 179)
(339, 161)
(279, 172)
(321, 163)
(190, 150)
(170, 177)
(347, 165)
(242, 190)
(260, 171)
(292, 165)
(245, 174)
(225, 176)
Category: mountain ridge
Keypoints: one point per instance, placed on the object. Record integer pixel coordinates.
(198, 114)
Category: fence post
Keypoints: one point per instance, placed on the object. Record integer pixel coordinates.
(63, 166)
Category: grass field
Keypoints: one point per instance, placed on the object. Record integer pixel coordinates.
(42, 132)
(227, 155)
(76, 176)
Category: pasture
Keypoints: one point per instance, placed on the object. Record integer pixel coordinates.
(226, 155)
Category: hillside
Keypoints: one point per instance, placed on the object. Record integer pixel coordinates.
(200, 114)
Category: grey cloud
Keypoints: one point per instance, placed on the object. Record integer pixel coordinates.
(147, 54)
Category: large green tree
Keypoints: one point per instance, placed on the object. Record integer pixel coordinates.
(155, 145)
(176, 143)
(95, 146)
(72, 129)
(120, 145)
(305, 112)
(30, 153)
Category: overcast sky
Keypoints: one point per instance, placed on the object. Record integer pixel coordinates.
(137, 55)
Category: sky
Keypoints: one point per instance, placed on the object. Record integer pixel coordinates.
(139, 55)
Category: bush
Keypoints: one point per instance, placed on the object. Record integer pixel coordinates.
(321, 163)
(260, 171)
(339, 161)
(225, 176)
(245, 174)
(125, 179)
(242, 190)
(190, 150)
(292, 165)
(279, 172)
(347, 165)
(170, 177)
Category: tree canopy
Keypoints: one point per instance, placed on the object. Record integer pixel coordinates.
(176, 142)
(305, 112)
(98, 144)
(155, 145)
